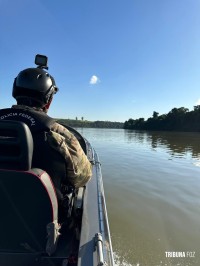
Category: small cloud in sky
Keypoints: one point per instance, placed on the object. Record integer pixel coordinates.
(94, 80)
(197, 102)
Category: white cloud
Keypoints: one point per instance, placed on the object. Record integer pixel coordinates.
(197, 102)
(94, 80)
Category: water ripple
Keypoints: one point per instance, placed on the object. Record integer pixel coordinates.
(152, 187)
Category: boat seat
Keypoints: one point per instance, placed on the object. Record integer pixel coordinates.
(28, 202)
(16, 145)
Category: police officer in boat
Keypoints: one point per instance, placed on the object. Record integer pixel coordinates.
(56, 149)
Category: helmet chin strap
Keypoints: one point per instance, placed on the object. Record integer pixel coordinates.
(46, 107)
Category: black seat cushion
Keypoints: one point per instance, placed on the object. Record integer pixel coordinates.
(28, 204)
(16, 145)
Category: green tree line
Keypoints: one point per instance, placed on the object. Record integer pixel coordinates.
(90, 124)
(178, 119)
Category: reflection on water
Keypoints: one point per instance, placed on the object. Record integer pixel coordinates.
(152, 187)
(176, 143)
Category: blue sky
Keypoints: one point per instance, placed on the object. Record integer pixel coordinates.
(111, 59)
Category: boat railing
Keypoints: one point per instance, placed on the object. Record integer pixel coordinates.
(104, 224)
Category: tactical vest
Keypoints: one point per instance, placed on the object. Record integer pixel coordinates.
(44, 157)
(37, 121)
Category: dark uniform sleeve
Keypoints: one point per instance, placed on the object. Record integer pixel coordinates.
(79, 169)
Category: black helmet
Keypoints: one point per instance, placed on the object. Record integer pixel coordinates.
(35, 83)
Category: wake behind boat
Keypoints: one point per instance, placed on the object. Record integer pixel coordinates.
(29, 227)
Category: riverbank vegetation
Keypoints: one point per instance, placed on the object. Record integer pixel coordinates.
(90, 124)
(178, 119)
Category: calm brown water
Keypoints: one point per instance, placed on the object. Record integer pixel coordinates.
(152, 188)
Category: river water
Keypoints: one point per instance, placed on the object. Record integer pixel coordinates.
(152, 189)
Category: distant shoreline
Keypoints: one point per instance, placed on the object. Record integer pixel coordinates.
(90, 124)
(178, 119)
